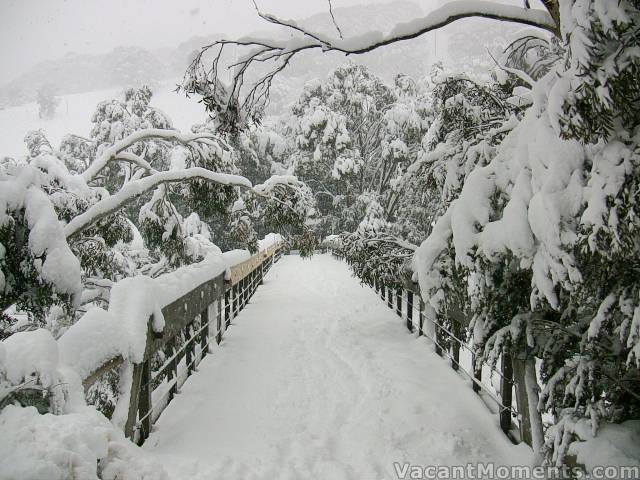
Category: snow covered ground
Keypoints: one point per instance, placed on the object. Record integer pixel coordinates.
(318, 379)
(74, 112)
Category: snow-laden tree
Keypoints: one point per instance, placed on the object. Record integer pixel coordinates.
(539, 227)
(129, 200)
(354, 135)
(262, 151)
(242, 102)
(537, 231)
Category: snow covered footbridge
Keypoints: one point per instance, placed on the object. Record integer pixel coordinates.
(266, 366)
(317, 378)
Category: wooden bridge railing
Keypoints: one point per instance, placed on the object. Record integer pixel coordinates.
(449, 342)
(191, 322)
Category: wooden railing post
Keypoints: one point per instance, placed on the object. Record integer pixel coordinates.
(144, 403)
(140, 394)
(389, 298)
(189, 348)
(410, 311)
(506, 392)
(256, 278)
(527, 423)
(243, 282)
(438, 336)
(476, 365)
(219, 318)
(254, 284)
(132, 415)
(204, 333)
(227, 310)
(399, 302)
(173, 371)
(455, 346)
(421, 318)
(236, 300)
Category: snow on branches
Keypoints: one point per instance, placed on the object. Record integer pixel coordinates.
(243, 101)
(120, 203)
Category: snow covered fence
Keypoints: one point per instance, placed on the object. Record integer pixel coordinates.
(156, 331)
(447, 335)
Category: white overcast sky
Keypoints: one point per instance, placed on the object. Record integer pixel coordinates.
(35, 30)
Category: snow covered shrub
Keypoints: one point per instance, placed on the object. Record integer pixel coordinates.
(376, 255)
(29, 374)
(47, 430)
(37, 143)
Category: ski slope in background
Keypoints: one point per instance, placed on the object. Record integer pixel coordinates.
(74, 112)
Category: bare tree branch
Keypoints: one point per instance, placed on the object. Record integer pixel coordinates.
(335, 24)
(238, 104)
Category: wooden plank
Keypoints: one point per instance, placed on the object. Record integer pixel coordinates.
(243, 269)
(181, 312)
(522, 401)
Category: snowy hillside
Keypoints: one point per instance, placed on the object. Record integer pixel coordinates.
(73, 115)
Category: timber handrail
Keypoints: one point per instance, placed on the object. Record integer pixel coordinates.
(190, 322)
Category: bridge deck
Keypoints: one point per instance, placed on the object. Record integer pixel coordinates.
(317, 379)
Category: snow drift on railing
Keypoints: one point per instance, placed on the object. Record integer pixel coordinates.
(77, 435)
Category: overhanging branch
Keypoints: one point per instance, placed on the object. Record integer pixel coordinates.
(134, 189)
(238, 103)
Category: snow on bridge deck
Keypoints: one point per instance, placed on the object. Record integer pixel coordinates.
(317, 379)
